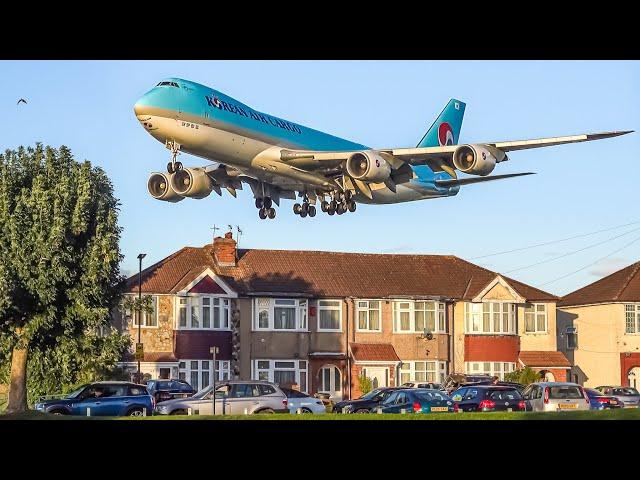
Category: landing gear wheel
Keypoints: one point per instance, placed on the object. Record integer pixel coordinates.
(331, 211)
(267, 202)
(333, 205)
(312, 211)
(170, 167)
(341, 209)
(297, 208)
(351, 206)
(324, 206)
(259, 203)
(178, 166)
(262, 213)
(303, 213)
(305, 209)
(271, 213)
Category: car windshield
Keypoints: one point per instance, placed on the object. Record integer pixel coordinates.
(77, 392)
(371, 394)
(593, 393)
(430, 395)
(565, 392)
(202, 393)
(625, 391)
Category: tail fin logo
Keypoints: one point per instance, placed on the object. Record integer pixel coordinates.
(445, 134)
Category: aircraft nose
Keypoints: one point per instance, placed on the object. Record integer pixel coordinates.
(141, 108)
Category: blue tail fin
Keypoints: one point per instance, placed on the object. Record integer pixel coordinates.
(446, 129)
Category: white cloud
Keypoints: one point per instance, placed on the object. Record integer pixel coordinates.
(608, 266)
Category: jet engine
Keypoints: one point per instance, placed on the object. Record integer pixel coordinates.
(477, 159)
(192, 182)
(159, 186)
(368, 167)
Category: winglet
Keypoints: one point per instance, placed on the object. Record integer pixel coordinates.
(598, 136)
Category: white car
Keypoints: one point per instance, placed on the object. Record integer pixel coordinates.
(555, 397)
(302, 401)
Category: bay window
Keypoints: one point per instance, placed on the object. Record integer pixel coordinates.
(632, 318)
(149, 319)
(203, 312)
(498, 369)
(535, 318)
(282, 372)
(368, 314)
(280, 314)
(329, 315)
(418, 316)
(423, 371)
(493, 318)
(199, 373)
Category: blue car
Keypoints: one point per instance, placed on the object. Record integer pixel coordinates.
(418, 400)
(112, 399)
(600, 401)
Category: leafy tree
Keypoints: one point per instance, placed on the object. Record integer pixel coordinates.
(59, 276)
(364, 383)
(525, 376)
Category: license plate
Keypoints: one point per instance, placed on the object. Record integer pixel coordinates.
(613, 402)
(632, 406)
(509, 409)
(567, 406)
(439, 409)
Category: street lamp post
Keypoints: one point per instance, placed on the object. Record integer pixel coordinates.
(214, 351)
(140, 257)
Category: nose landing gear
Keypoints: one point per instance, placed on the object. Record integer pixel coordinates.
(173, 166)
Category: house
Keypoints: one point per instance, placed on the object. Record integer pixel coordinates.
(600, 327)
(320, 320)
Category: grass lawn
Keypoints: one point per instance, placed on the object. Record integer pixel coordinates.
(622, 414)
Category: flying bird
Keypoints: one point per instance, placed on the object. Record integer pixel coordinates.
(22, 100)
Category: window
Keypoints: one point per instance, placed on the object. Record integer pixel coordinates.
(203, 312)
(168, 84)
(282, 372)
(535, 318)
(280, 314)
(423, 371)
(572, 338)
(418, 316)
(490, 318)
(632, 316)
(368, 314)
(148, 319)
(199, 374)
(329, 315)
(497, 369)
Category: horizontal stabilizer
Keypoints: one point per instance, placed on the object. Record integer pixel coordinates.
(467, 181)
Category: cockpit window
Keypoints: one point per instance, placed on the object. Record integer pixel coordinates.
(170, 84)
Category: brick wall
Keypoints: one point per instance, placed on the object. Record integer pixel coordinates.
(499, 348)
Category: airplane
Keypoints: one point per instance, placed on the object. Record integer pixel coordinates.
(282, 159)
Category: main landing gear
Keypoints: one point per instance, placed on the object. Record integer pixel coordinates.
(173, 166)
(265, 208)
(341, 202)
(304, 209)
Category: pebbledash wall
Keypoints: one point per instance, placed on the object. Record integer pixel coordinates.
(319, 320)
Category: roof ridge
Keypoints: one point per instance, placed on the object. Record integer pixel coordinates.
(346, 253)
(160, 262)
(634, 272)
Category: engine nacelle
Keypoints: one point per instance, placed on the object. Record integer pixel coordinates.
(368, 167)
(192, 183)
(477, 159)
(159, 186)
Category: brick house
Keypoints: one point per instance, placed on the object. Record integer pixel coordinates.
(319, 320)
(600, 329)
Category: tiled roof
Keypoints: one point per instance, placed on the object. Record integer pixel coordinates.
(373, 352)
(325, 274)
(621, 286)
(153, 357)
(544, 359)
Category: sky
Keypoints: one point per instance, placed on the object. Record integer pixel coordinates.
(578, 189)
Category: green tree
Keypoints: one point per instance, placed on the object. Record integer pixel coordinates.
(365, 385)
(525, 376)
(59, 273)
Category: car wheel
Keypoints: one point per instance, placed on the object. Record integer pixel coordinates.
(135, 412)
(306, 410)
(266, 410)
(362, 410)
(178, 412)
(58, 412)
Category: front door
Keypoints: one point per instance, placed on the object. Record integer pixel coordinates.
(379, 376)
(331, 382)
(634, 377)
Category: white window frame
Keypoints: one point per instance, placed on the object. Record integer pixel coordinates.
(533, 309)
(440, 315)
(477, 310)
(145, 316)
(367, 309)
(632, 312)
(268, 304)
(436, 367)
(301, 368)
(223, 371)
(323, 307)
(197, 301)
(496, 368)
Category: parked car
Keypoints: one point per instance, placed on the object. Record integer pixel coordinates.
(163, 390)
(629, 396)
(418, 400)
(555, 396)
(600, 401)
(366, 403)
(488, 398)
(113, 399)
(454, 381)
(419, 384)
(302, 401)
(232, 397)
(518, 386)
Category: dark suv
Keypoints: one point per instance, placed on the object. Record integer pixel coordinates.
(112, 399)
(169, 389)
(488, 398)
(365, 403)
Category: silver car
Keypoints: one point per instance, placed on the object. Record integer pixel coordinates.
(629, 396)
(232, 397)
(555, 397)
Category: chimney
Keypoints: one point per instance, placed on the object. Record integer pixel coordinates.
(224, 250)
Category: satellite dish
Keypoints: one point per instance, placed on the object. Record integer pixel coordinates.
(427, 334)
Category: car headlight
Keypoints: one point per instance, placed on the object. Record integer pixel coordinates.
(39, 406)
(347, 409)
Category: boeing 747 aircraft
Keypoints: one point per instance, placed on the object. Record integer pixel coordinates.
(281, 159)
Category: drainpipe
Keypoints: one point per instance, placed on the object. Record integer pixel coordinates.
(348, 300)
(450, 321)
